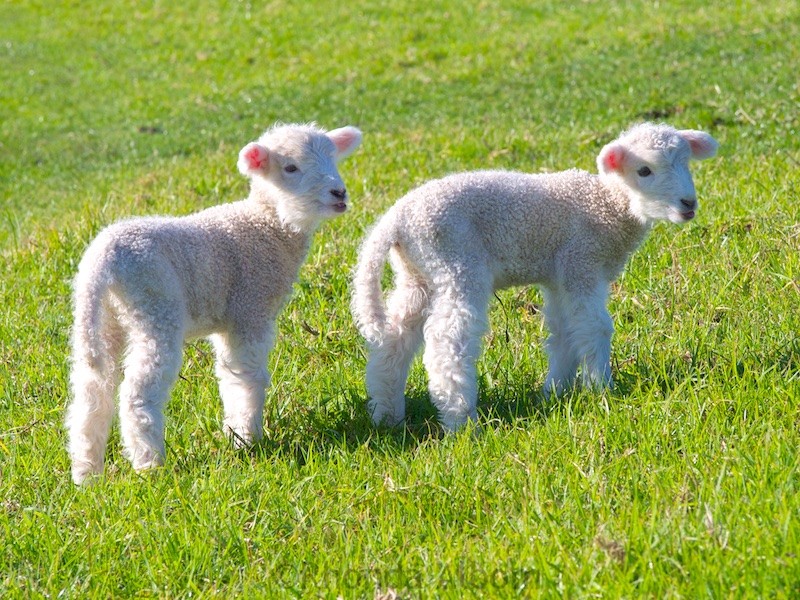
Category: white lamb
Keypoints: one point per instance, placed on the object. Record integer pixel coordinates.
(147, 284)
(453, 241)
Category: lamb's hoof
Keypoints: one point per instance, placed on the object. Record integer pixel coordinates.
(552, 388)
(452, 423)
(141, 467)
(599, 385)
(472, 428)
(387, 420)
(146, 459)
(84, 473)
(383, 416)
(241, 438)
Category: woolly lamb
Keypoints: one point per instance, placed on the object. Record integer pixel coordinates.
(453, 241)
(145, 285)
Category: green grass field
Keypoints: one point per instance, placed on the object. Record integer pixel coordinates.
(682, 482)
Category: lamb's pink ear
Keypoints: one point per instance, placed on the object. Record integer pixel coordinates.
(346, 140)
(253, 159)
(611, 158)
(702, 144)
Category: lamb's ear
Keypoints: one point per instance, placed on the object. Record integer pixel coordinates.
(346, 140)
(702, 144)
(611, 158)
(253, 160)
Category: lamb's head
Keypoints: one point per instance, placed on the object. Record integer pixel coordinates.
(294, 167)
(652, 163)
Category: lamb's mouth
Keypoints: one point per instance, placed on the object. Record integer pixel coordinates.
(688, 215)
(341, 207)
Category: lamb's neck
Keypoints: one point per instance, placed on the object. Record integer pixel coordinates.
(294, 224)
(633, 229)
(297, 240)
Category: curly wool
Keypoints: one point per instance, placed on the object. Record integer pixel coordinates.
(145, 285)
(453, 241)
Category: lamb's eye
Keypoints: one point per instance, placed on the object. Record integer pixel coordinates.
(290, 168)
(644, 172)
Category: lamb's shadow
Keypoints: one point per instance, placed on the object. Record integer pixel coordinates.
(514, 399)
(349, 427)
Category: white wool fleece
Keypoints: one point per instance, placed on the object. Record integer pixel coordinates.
(455, 240)
(145, 285)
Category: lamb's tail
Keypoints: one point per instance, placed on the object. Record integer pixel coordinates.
(367, 303)
(90, 289)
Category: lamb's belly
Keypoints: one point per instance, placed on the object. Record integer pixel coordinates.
(203, 327)
(205, 316)
(506, 275)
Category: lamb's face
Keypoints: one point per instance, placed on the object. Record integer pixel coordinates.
(297, 163)
(307, 172)
(652, 161)
(664, 185)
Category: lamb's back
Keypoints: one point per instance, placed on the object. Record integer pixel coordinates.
(519, 221)
(228, 263)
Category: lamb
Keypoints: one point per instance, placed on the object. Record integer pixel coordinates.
(145, 285)
(452, 242)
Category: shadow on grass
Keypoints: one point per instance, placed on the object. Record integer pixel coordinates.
(345, 424)
(348, 425)
(342, 424)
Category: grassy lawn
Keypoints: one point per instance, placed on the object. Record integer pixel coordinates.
(682, 482)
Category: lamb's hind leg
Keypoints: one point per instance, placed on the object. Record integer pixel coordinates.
(152, 365)
(453, 331)
(390, 360)
(243, 379)
(93, 380)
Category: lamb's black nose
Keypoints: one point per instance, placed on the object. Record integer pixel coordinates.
(689, 203)
(340, 194)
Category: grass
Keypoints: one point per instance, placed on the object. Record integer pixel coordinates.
(682, 482)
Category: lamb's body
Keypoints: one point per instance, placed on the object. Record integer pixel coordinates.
(146, 285)
(151, 260)
(453, 241)
(519, 225)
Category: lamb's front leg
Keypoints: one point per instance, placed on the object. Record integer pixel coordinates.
(590, 330)
(243, 378)
(562, 360)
